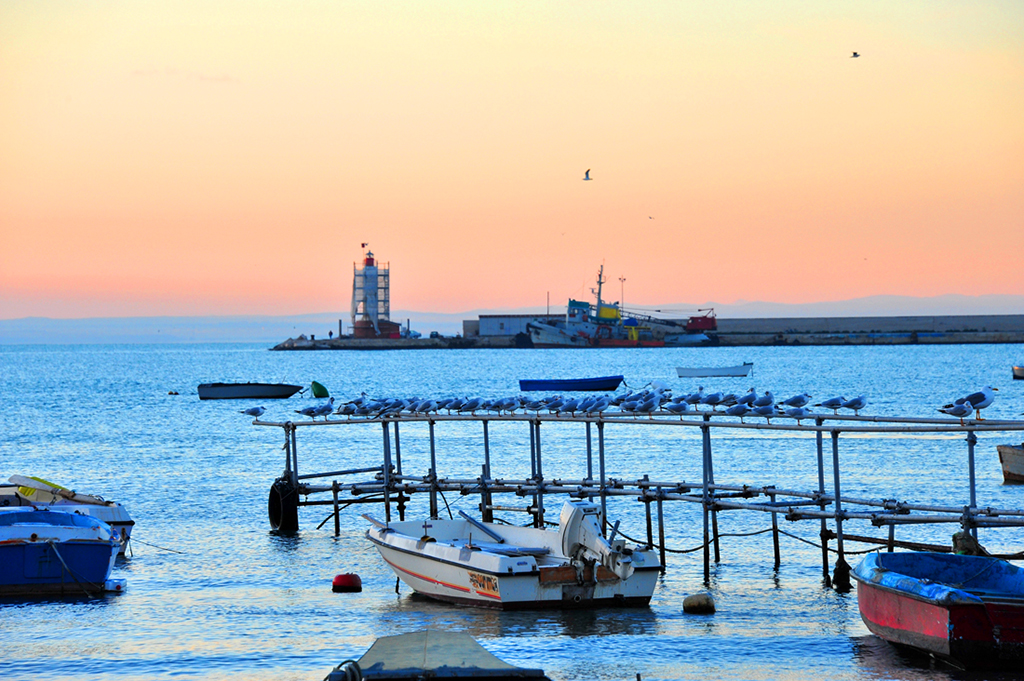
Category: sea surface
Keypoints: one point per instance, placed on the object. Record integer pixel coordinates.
(213, 593)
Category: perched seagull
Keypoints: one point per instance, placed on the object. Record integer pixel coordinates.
(254, 411)
(586, 175)
(833, 403)
(712, 400)
(765, 400)
(980, 400)
(740, 410)
(799, 413)
(747, 398)
(856, 404)
(854, 55)
(678, 408)
(307, 411)
(765, 410)
(324, 409)
(694, 398)
(958, 410)
(800, 400)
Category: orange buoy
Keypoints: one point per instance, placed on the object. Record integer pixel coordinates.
(347, 583)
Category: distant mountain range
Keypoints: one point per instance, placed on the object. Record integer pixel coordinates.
(271, 330)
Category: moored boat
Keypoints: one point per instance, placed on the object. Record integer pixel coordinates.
(571, 384)
(968, 610)
(45, 552)
(1018, 372)
(503, 566)
(430, 654)
(38, 493)
(606, 325)
(241, 391)
(702, 372)
(1011, 458)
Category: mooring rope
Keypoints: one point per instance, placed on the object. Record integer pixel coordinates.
(71, 572)
(162, 548)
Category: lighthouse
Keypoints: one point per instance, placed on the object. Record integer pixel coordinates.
(371, 299)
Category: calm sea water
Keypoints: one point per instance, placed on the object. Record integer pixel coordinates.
(212, 593)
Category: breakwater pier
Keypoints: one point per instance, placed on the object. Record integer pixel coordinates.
(613, 459)
(766, 331)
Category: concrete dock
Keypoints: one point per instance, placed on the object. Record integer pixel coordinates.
(953, 329)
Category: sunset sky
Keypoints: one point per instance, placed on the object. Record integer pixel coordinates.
(195, 158)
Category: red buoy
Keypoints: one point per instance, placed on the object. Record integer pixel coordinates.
(347, 583)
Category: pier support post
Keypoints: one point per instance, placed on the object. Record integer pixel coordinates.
(841, 575)
(398, 452)
(538, 496)
(661, 532)
(337, 511)
(647, 512)
(972, 440)
(823, 533)
(387, 472)
(601, 472)
(775, 529)
(433, 472)
(706, 436)
(486, 512)
(590, 457)
(705, 503)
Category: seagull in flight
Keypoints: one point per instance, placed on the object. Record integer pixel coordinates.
(854, 55)
(586, 176)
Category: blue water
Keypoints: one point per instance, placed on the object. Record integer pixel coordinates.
(212, 593)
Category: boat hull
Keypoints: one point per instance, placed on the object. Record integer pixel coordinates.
(242, 391)
(703, 372)
(571, 384)
(1018, 373)
(1011, 458)
(53, 553)
(969, 630)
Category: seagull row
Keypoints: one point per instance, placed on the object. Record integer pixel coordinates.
(648, 401)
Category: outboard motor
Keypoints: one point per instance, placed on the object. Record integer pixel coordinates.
(581, 538)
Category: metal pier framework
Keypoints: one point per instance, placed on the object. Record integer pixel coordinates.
(390, 486)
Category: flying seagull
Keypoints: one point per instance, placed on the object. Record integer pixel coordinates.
(586, 175)
(854, 55)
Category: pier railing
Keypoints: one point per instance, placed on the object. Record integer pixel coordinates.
(390, 485)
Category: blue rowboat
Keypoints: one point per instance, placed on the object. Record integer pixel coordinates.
(968, 610)
(571, 384)
(44, 552)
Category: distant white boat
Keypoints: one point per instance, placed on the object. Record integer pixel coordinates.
(504, 566)
(1018, 372)
(701, 372)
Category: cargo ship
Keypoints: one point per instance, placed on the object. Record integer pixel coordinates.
(606, 325)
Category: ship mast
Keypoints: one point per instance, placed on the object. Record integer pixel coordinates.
(600, 282)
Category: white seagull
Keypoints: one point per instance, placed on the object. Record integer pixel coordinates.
(958, 410)
(254, 411)
(856, 404)
(980, 400)
(800, 400)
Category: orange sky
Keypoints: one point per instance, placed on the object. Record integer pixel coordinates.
(178, 158)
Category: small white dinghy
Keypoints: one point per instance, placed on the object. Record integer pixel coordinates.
(503, 566)
(39, 493)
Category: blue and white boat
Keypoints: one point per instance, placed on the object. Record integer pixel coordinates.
(44, 552)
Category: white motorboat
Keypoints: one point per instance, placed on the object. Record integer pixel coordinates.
(702, 372)
(39, 493)
(508, 567)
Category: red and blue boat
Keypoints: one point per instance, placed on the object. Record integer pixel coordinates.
(967, 610)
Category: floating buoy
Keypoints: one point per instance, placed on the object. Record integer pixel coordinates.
(347, 583)
(699, 604)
